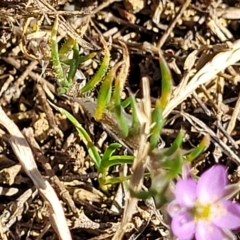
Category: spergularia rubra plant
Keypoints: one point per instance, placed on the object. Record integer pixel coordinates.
(202, 210)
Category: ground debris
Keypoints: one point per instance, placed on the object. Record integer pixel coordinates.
(198, 39)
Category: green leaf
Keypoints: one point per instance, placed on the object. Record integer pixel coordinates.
(120, 159)
(199, 149)
(83, 59)
(92, 150)
(67, 47)
(176, 144)
(173, 165)
(105, 92)
(108, 153)
(126, 102)
(161, 103)
(166, 84)
(74, 64)
(122, 120)
(114, 180)
(54, 52)
(158, 122)
(101, 72)
(135, 128)
(144, 195)
(108, 160)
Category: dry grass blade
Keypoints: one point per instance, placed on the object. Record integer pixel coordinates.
(24, 154)
(144, 116)
(206, 73)
(234, 117)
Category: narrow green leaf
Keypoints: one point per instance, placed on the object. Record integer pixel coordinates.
(83, 59)
(105, 92)
(114, 180)
(199, 149)
(173, 166)
(108, 152)
(161, 103)
(166, 84)
(108, 160)
(74, 64)
(101, 72)
(92, 150)
(54, 52)
(116, 160)
(158, 121)
(67, 47)
(122, 120)
(176, 144)
(126, 102)
(144, 195)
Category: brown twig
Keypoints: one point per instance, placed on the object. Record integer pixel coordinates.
(173, 23)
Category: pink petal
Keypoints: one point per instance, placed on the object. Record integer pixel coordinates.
(183, 226)
(211, 184)
(173, 208)
(185, 192)
(227, 215)
(208, 231)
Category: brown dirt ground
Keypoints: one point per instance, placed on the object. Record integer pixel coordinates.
(190, 34)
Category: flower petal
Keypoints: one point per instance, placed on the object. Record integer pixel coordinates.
(186, 192)
(226, 214)
(183, 226)
(173, 208)
(211, 184)
(208, 231)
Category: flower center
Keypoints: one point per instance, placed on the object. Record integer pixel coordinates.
(201, 211)
(207, 211)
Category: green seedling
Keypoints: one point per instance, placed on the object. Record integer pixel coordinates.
(55, 56)
(59, 58)
(106, 99)
(104, 95)
(102, 163)
(167, 165)
(161, 103)
(101, 72)
(130, 126)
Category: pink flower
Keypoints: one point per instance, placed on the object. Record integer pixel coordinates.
(202, 209)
